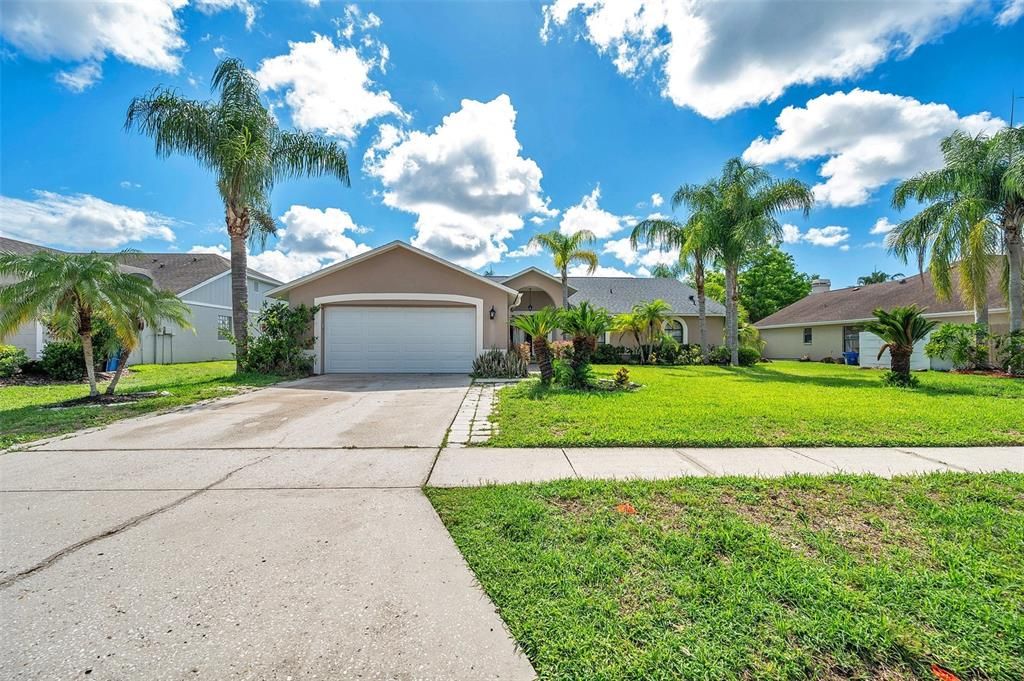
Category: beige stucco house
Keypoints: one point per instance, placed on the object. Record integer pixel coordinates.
(399, 309)
(828, 323)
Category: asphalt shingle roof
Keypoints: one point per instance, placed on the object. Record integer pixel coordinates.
(859, 302)
(175, 272)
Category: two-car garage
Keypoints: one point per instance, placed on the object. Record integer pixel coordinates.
(397, 309)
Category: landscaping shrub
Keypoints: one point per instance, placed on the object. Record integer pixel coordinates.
(12, 358)
(567, 375)
(689, 355)
(965, 345)
(496, 363)
(560, 349)
(719, 356)
(667, 350)
(283, 339)
(749, 356)
(1010, 352)
(622, 377)
(608, 354)
(897, 380)
(63, 361)
(524, 352)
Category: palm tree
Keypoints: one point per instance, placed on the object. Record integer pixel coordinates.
(695, 253)
(629, 322)
(653, 314)
(539, 325)
(958, 228)
(567, 249)
(877, 277)
(585, 324)
(240, 141)
(663, 271)
(154, 308)
(740, 212)
(74, 290)
(900, 328)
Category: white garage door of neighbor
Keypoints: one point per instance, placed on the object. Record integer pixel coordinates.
(399, 339)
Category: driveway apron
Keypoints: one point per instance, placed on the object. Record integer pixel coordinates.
(275, 535)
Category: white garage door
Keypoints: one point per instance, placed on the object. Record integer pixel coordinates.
(399, 339)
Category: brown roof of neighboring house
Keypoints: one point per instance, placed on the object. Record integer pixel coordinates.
(175, 272)
(859, 302)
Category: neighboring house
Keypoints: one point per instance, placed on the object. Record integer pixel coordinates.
(828, 323)
(399, 309)
(201, 280)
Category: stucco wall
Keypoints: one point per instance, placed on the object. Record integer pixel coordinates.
(535, 280)
(402, 271)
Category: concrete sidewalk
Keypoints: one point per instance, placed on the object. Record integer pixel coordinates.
(466, 467)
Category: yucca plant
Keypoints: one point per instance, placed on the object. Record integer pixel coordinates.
(539, 325)
(900, 328)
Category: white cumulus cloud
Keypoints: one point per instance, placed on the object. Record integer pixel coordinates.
(80, 221)
(790, 234)
(657, 200)
(601, 271)
(1011, 12)
(527, 250)
(830, 236)
(310, 240)
(327, 87)
(866, 140)
(718, 57)
(587, 214)
(882, 226)
(246, 7)
(465, 180)
(80, 78)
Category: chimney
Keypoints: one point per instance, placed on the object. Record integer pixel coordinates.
(820, 286)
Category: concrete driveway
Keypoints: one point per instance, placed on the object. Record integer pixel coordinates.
(275, 535)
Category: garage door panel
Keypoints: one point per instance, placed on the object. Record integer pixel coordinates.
(399, 339)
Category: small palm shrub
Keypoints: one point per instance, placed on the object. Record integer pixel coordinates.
(12, 358)
(897, 380)
(900, 328)
(495, 363)
(586, 324)
(63, 361)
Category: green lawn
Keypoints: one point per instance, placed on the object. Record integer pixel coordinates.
(26, 412)
(828, 578)
(781, 403)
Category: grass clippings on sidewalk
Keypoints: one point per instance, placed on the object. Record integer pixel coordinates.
(830, 578)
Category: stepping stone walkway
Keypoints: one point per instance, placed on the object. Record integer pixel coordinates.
(472, 424)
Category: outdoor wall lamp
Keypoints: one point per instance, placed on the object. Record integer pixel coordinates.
(493, 312)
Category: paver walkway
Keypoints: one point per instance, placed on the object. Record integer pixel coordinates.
(473, 466)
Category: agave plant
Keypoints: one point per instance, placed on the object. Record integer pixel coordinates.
(539, 325)
(900, 328)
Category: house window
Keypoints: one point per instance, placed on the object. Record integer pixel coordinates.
(674, 328)
(851, 338)
(223, 327)
(807, 335)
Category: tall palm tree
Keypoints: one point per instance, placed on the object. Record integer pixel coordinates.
(695, 253)
(156, 307)
(877, 277)
(567, 249)
(958, 228)
(901, 328)
(539, 325)
(664, 271)
(653, 314)
(238, 139)
(73, 290)
(1008, 162)
(741, 209)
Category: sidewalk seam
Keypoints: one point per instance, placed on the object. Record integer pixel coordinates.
(569, 461)
(928, 458)
(686, 457)
(811, 458)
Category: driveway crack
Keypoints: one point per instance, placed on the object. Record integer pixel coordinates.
(117, 529)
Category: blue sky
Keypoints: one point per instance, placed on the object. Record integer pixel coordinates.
(472, 126)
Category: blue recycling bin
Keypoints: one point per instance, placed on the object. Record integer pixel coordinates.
(852, 358)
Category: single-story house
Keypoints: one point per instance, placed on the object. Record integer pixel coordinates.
(201, 280)
(399, 309)
(827, 323)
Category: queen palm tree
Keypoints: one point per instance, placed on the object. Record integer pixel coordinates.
(238, 139)
(567, 249)
(156, 307)
(958, 228)
(653, 314)
(74, 291)
(900, 328)
(539, 325)
(740, 211)
(665, 271)
(629, 322)
(690, 238)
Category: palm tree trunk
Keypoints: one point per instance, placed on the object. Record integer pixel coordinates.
(122, 359)
(900, 363)
(732, 316)
(90, 370)
(702, 317)
(238, 233)
(1015, 256)
(565, 289)
(540, 351)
